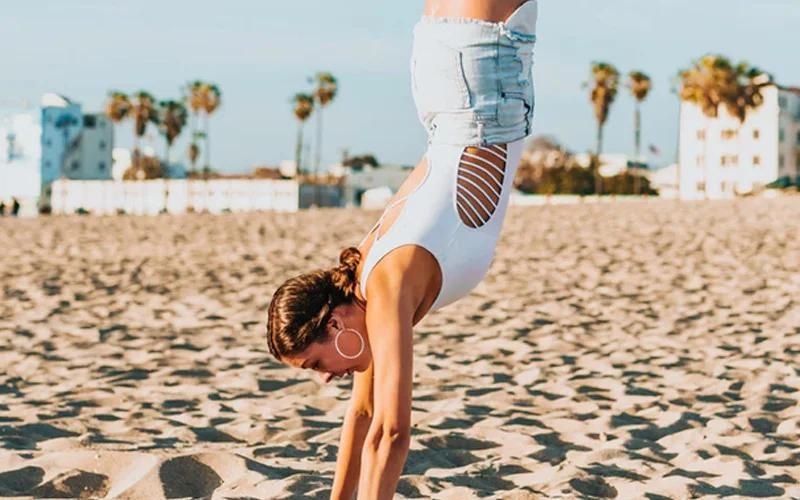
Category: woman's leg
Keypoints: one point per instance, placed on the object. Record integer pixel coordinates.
(486, 10)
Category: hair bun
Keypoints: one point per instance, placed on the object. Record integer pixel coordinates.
(350, 258)
(344, 276)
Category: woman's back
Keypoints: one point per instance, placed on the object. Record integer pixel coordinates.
(489, 10)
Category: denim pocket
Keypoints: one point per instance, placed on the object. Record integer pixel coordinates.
(438, 79)
(513, 109)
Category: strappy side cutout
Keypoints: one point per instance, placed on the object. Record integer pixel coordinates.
(481, 171)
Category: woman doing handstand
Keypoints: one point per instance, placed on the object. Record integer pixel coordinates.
(472, 84)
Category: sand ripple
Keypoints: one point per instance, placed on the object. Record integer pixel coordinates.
(630, 350)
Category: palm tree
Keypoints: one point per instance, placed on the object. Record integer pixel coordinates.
(143, 111)
(193, 153)
(203, 98)
(640, 85)
(324, 93)
(605, 83)
(194, 100)
(171, 120)
(746, 95)
(118, 106)
(303, 107)
(710, 83)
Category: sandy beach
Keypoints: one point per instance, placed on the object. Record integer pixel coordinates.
(624, 350)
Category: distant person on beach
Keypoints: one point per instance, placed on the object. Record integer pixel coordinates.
(15, 206)
(472, 84)
(2, 208)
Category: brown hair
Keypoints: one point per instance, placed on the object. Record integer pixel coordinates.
(301, 307)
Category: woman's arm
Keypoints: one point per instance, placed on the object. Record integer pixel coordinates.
(389, 323)
(354, 431)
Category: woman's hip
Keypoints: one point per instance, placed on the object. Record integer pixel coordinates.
(472, 82)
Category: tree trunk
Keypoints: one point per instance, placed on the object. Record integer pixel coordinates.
(598, 182)
(706, 165)
(298, 152)
(638, 144)
(136, 160)
(318, 157)
(207, 167)
(638, 130)
(165, 177)
(194, 140)
(166, 153)
(678, 151)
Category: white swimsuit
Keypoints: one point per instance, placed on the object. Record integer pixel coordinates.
(456, 212)
(430, 219)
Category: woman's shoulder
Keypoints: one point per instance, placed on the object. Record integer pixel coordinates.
(409, 274)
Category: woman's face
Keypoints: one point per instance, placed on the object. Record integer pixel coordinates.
(346, 330)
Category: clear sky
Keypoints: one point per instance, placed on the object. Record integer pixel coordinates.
(261, 53)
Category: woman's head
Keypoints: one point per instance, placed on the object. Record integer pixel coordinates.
(315, 320)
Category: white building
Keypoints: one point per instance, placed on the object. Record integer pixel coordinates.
(366, 178)
(74, 145)
(719, 157)
(121, 161)
(288, 168)
(665, 181)
(176, 196)
(20, 156)
(610, 164)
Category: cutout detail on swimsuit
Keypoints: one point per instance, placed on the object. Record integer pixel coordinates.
(481, 171)
(392, 211)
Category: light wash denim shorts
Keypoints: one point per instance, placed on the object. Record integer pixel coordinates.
(472, 80)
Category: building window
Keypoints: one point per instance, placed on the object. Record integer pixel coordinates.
(729, 160)
(756, 161)
(48, 143)
(701, 186)
(101, 166)
(781, 135)
(701, 135)
(74, 165)
(782, 102)
(89, 121)
(798, 137)
(780, 160)
(700, 160)
(102, 145)
(728, 134)
(756, 134)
